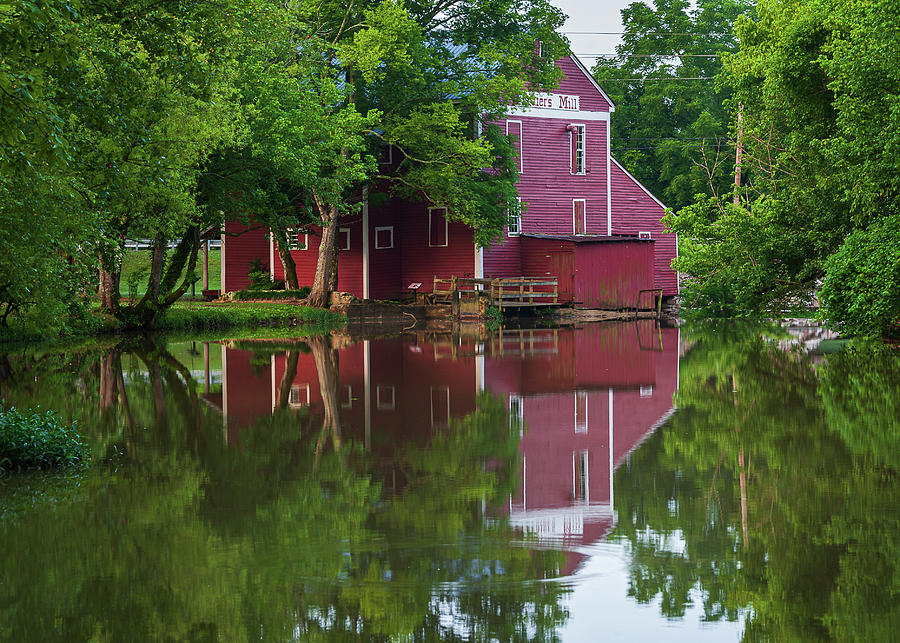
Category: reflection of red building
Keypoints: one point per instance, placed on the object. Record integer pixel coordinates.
(582, 400)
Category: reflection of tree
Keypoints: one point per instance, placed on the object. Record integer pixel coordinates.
(188, 537)
(819, 560)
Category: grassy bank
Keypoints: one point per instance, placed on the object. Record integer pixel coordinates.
(205, 316)
(188, 317)
(136, 268)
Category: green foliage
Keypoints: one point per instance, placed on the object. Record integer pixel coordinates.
(780, 480)
(227, 315)
(273, 295)
(259, 276)
(861, 396)
(264, 526)
(861, 293)
(35, 439)
(735, 261)
(493, 318)
(671, 128)
(819, 101)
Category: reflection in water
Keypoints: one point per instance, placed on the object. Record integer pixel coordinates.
(455, 489)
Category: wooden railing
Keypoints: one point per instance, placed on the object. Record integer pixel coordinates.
(502, 293)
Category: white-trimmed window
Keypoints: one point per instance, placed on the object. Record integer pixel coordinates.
(579, 216)
(344, 239)
(385, 398)
(644, 235)
(516, 414)
(384, 237)
(647, 391)
(577, 148)
(514, 129)
(387, 155)
(437, 227)
(298, 396)
(440, 405)
(347, 397)
(514, 224)
(297, 240)
(581, 412)
(580, 482)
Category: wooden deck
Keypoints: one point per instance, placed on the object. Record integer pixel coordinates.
(510, 292)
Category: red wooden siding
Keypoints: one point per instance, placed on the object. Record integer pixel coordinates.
(576, 82)
(611, 274)
(547, 186)
(421, 263)
(240, 252)
(634, 211)
(603, 273)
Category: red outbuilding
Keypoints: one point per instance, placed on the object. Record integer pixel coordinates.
(606, 225)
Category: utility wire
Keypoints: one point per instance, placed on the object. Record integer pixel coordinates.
(649, 33)
(650, 79)
(649, 55)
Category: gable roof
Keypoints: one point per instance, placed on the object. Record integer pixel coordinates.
(590, 77)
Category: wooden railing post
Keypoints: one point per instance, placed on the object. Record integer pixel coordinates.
(500, 295)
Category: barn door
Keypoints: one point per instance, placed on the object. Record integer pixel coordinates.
(562, 266)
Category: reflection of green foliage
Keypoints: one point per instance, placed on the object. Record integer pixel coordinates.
(179, 534)
(861, 393)
(814, 556)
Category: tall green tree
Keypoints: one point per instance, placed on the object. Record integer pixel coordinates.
(672, 128)
(819, 99)
(421, 74)
(43, 264)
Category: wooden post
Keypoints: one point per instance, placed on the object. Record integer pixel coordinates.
(206, 264)
(737, 154)
(500, 295)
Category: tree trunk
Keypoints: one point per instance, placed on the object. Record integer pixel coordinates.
(109, 291)
(291, 359)
(156, 268)
(324, 282)
(327, 369)
(108, 380)
(287, 263)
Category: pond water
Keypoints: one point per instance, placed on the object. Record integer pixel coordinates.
(525, 485)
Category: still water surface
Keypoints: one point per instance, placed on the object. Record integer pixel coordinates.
(532, 485)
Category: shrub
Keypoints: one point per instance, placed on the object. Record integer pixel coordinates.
(260, 278)
(861, 294)
(31, 439)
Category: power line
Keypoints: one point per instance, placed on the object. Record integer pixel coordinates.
(649, 55)
(651, 79)
(649, 33)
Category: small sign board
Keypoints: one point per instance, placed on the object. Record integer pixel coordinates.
(414, 286)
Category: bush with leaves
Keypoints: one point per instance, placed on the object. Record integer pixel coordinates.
(32, 439)
(861, 294)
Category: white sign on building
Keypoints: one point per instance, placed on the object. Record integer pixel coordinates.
(556, 101)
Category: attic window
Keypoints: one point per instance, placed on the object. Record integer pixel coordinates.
(644, 235)
(577, 149)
